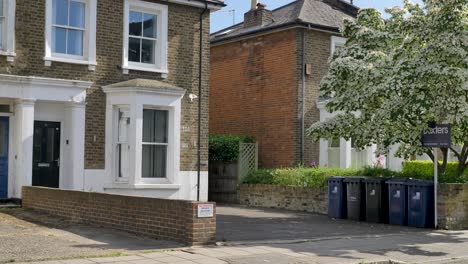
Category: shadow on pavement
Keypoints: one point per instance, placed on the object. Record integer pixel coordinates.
(30, 235)
(317, 235)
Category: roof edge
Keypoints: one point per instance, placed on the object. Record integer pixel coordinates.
(298, 22)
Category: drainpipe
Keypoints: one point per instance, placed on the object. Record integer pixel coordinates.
(200, 101)
(303, 99)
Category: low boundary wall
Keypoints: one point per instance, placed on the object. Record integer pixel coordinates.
(163, 219)
(452, 201)
(312, 200)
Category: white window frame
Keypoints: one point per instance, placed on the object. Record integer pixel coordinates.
(170, 148)
(117, 142)
(337, 41)
(89, 38)
(160, 50)
(8, 39)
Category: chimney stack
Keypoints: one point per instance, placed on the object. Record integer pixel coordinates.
(258, 15)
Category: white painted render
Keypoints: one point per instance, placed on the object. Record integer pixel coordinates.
(44, 99)
(345, 145)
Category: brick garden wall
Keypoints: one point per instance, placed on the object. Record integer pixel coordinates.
(452, 201)
(453, 206)
(155, 218)
(312, 200)
(183, 52)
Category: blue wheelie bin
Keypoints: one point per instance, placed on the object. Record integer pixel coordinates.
(356, 198)
(397, 202)
(336, 197)
(420, 203)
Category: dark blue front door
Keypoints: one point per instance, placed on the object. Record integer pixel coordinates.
(4, 125)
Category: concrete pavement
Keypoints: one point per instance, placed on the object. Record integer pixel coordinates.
(424, 247)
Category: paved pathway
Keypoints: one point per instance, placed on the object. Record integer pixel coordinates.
(237, 223)
(428, 247)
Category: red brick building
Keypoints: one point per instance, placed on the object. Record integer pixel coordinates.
(265, 76)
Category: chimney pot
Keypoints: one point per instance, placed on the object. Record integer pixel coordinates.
(253, 4)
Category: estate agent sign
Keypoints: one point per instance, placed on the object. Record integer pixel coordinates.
(437, 137)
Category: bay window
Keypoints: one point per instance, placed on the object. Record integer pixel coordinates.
(145, 37)
(71, 32)
(143, 121)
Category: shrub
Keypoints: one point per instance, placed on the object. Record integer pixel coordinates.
(317, 177)
(226, 147)
(425, 170)
(309, 177)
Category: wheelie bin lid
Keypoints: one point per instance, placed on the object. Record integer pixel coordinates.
(355, 179)
(376, 180)
(336, 178)
(415, 182)
(397, 181)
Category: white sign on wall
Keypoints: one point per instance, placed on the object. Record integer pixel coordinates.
(205, 210)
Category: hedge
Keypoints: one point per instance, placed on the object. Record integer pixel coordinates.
(317, 177)
(308, 177)
(425, 170)
(226, 147)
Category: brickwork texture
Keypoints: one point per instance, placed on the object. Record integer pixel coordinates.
(256, 90)
(312, 200)
(149, 217)
(183, 59)
(453, 206)
(253, 93)
(452, 201)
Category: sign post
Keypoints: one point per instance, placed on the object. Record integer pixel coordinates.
(436, 137)
(436, 182)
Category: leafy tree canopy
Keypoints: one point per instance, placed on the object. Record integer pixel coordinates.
(395, 75)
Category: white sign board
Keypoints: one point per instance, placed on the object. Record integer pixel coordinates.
(205, 210)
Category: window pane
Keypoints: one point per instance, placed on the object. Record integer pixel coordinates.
(149, 26)
(155, 126)
(75, 42)
(135, 23)
(77, 14)
(154, 161)
(59, 36)
(134, 49)
(1, 8)
(60, 12)
(147, 51)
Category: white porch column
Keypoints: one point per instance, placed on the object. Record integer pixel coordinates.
(24, 133)
(394, 163)
(371, 158)
(345, 153)
(323, 152)
(76, 113)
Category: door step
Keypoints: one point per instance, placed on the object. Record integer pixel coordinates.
(10, 203)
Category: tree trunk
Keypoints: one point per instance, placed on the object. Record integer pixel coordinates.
(443, 167)
(462, 160)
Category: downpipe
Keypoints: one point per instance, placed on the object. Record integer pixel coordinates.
(200, 72)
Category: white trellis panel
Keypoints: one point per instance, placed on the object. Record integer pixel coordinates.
(248, 158)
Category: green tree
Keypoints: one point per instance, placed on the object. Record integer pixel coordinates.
(397, 74)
